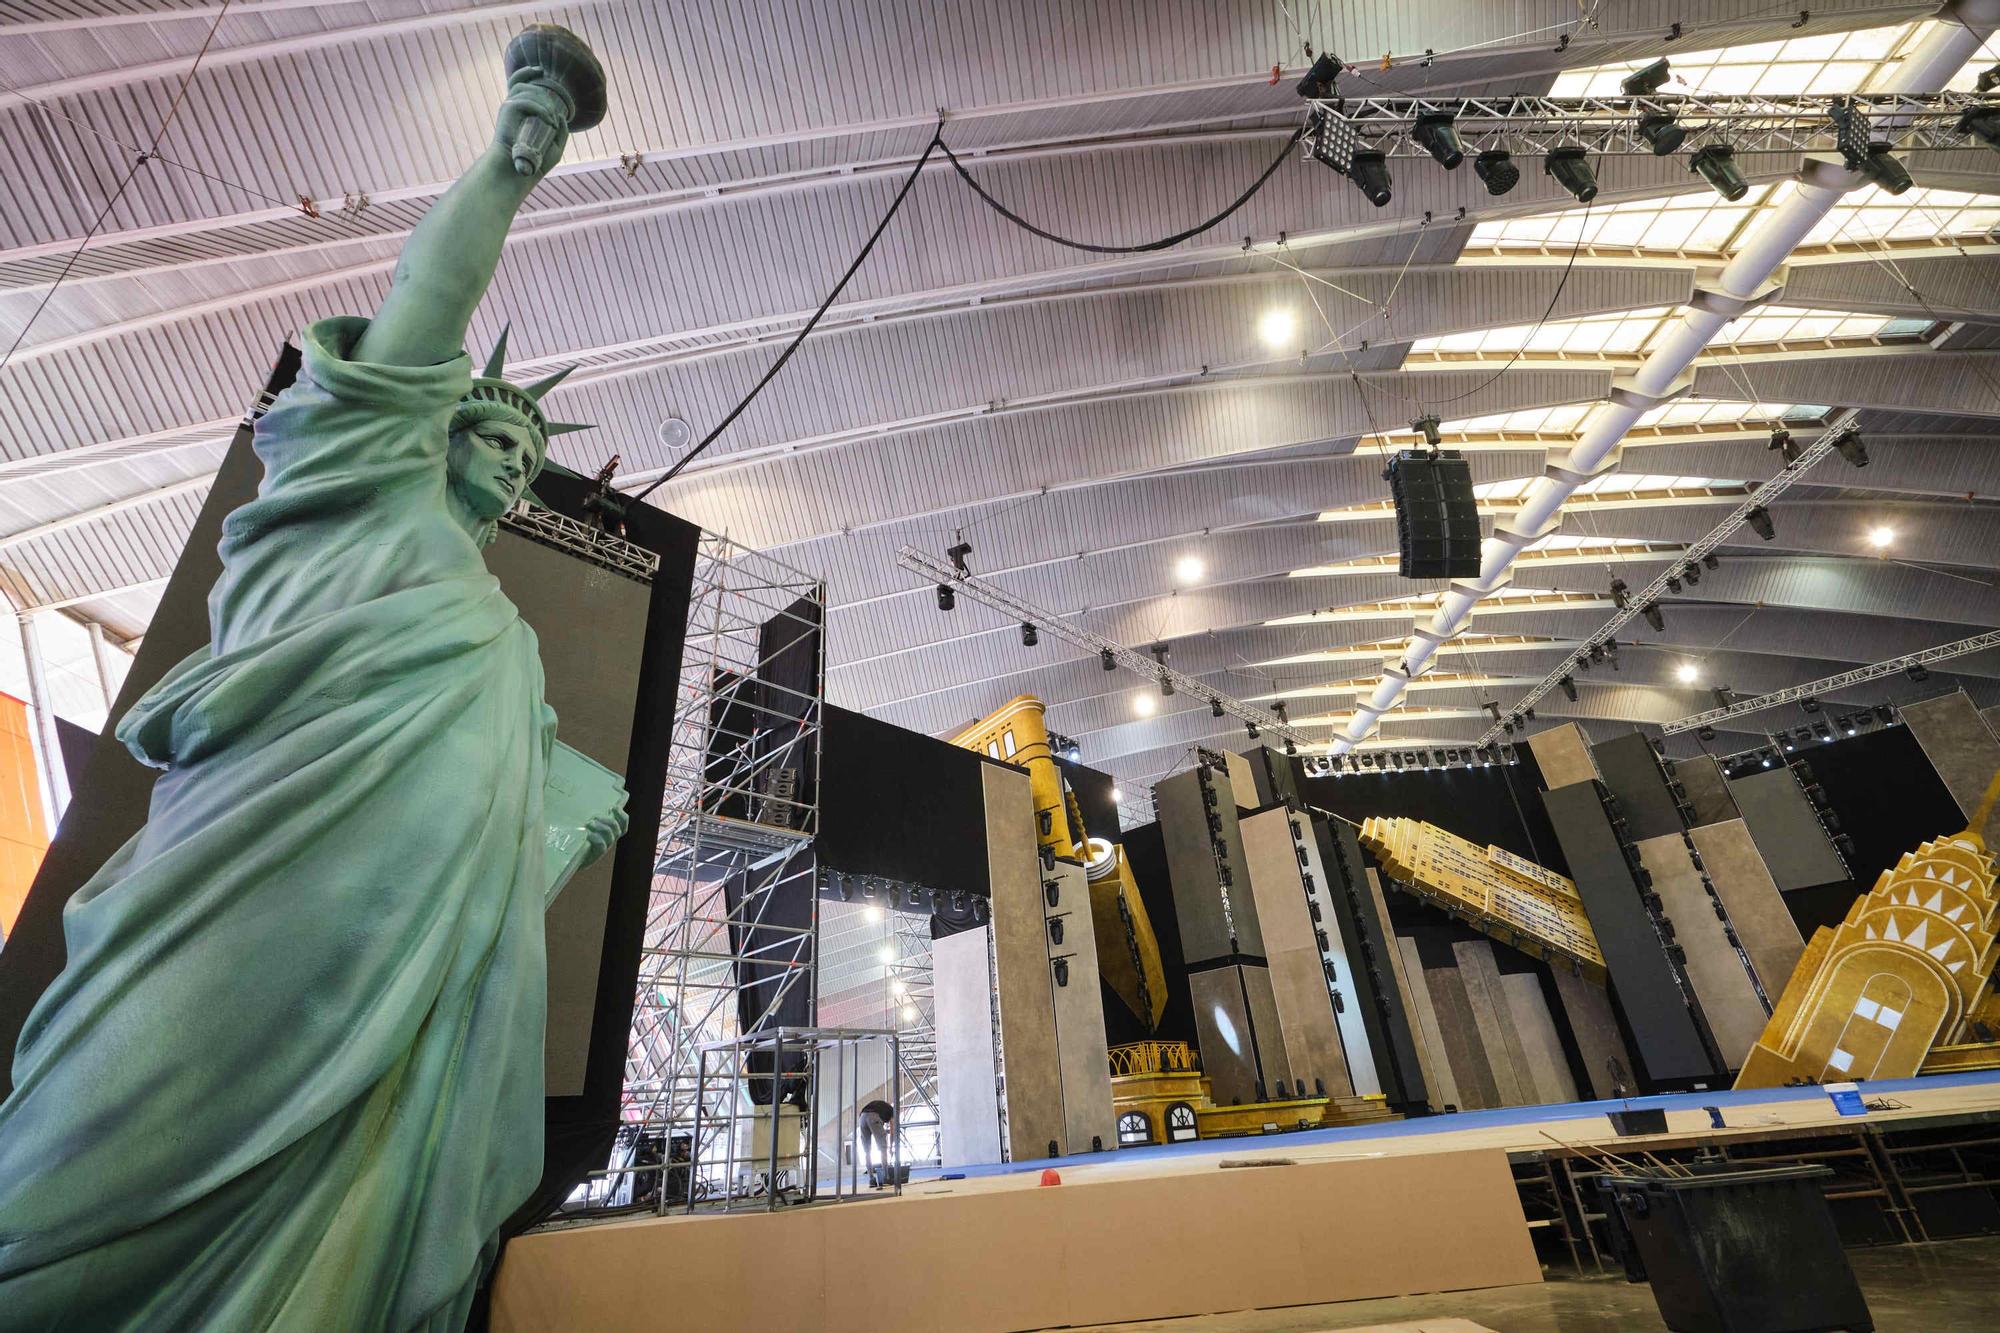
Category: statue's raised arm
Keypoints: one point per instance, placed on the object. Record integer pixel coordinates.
(554, 86)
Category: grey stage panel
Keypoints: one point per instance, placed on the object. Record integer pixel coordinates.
(1647, 985)
(1756, 909)
(1191, 867)
(1607, 1063)
(1457, 1025)
(1786, 830)
(1079, 1010)
(1223, 1028)
(968, 1087)
(1535, 1029)
(1512, 1081)
(1339, 954)
(1721, 982)
(1707, 792)
(1962, 750)
(1428, 1038)
(1633, 774)
(592, 633)
(1298, 980)
(1991, 717)
(1021, 964)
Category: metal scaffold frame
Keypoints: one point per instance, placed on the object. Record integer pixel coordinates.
(910, 989)
(741, 807)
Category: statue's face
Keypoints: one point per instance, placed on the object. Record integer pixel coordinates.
(491, 463)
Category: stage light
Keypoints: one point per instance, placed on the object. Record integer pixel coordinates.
(1884, 714)
(1189, 569)
(1145, 705)
(1596, 652)
(947, 599)
(1717, 165)
(1290, 748)
(1851, 447)
(909, 1012)
(872, 912)
(1029, 636)
(899, 989)
(1369, 170)
(1760, 523)
(1620, 595)
(1166, 686)
(1989, 79)
(1571, 168)
(1647, 79)
(1655, 617)
(1982, 123)
(1251, 728)
(1568, 684)
(1437, 135)
(1663, 134)
(1215, 708)
(1809, 705)
(1692, 573)
(957, 556)
(1781, 439)
(1278, 708)
(1711, 561)
(1279, 328)
(1107, 659)
(1674, 584)
(1529, 712)
(1159, 652)
(886, 955)
(1496, 168)
(1882, 168)
(1318, 82)
(1705, 734)
(1767, 759)
(1917, 671)
(1117, 796)
(1881, 538)
(1724, 696)
(1688, 673)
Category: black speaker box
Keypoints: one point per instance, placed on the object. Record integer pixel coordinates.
(1437, 520)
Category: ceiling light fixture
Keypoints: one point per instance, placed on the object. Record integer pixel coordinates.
(1688, 673)
(1496, 168)
(1278, 328)
(1369, 170)
(1437, 134)
(1716, 164)
(1189, 569)
(1881, 538)
(1571, 168)
(1145, 705)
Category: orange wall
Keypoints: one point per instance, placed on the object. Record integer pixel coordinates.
(24, 834)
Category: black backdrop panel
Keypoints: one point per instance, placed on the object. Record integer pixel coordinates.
(900, 805)
(1631, 769)
(1887, 795)
(1665, 1036)
(1147, 852)
(1093, 796)
(77, 744)
(1494, 805)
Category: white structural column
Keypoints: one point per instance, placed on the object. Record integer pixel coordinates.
(100, 656)
(1744, 283)
(48, 745)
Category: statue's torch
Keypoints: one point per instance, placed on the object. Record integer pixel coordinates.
(566, 68)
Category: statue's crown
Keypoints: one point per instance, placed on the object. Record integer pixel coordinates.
(492, 386)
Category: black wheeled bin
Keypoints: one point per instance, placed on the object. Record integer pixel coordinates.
(1750, 1251)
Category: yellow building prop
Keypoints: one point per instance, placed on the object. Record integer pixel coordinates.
(1492, 890)
(1128, 954)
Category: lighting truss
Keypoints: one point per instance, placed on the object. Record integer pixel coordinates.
(1338, 128)
(931, 569)
(1765, 492)
(1819, 688)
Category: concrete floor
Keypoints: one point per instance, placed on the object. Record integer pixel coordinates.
(1950, 1287)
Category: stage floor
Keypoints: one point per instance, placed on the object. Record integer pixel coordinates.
(1387, 1209)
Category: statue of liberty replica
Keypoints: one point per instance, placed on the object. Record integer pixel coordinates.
(291, 1077)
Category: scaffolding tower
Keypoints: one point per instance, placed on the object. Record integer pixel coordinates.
(737, 824)
(913, 1010)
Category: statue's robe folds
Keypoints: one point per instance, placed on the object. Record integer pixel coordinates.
(292, 1074)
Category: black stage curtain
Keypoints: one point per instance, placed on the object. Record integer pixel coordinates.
(901, 805)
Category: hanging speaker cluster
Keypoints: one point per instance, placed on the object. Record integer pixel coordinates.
(1437, 519)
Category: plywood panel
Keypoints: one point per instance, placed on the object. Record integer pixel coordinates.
(1222, 1031)
(1991, 717)
(1033, 1088)
(1269, 1028)
(1961, 748)
(968, 1087)
(1607, 1064)
(1756, 909)
(1463, 1046)
(1088, 1119)
(1397, 1027)
(1707, 793)
(1721, 983)
(1512, 1081)
(1563, 755)
(1541, 1047)
(1424, 1029)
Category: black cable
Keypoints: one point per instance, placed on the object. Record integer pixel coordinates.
(1163, 243)
(1522, 349)
(937, 142)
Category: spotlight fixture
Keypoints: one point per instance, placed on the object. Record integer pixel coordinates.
(1159, 652)
(1917, 671)
(1687, 673)
(1318, 82)
(1106, 659)
(1808, 705)
(1166, 686)
(1692, 573)
(1437, 134)
(1711, 561)
(1705, 733)
(947, 599)
(1851, 447)
(1251, 727)
(1989, 79)
(1369, 170)
(1647, 79)
(1663, 134)
(1597, 651)
(1568, 684)
(1674, 584)
(1724, 696)
(1716, 164)
(1496, 168)
(1884, 171)
(957, 554)
(1884, 714)
(1571, 168)
(1982, 123)
(1760, 523)
(1529, 712)
(1029, 636)
(1881, 538)
(1781, 439)
(1278, 708)
(1291, 748)
(1215, 707)
(1654, 617)
(1427, 426)
(1621, 597)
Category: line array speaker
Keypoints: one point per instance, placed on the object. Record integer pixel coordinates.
(1437, 520)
